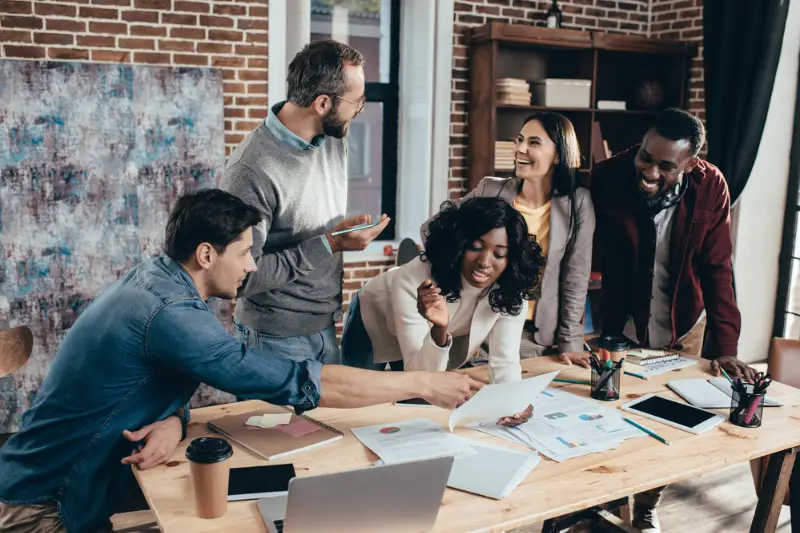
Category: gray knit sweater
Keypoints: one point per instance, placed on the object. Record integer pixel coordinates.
(301, 193)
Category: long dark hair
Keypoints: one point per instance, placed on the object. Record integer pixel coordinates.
(455, 228)
(565, 181)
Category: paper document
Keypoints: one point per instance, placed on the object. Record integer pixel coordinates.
(411, 440)
(656, 369)
(501, 399)
(709, 393)
(493, 471)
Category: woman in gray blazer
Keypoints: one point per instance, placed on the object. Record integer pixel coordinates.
(544, 190)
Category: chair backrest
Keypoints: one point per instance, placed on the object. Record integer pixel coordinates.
(16, 345)
(407, 251)
(784, 361)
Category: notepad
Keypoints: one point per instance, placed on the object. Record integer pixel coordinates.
(301, 433)
(493, 471)
(709, 393)
(645, 357)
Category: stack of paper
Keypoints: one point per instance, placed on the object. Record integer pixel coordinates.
(659, 368)
(566, 426)
(504, 155)
(513, 91)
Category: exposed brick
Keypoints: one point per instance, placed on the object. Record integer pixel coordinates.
(234, 112)
(108, 28)
(251, 50)
(48, 10)
(248, 126)
(65, 25)
(53, 38)
(222, 9)
(227, 101)
(176, 46)
(187, 33)
(179, 20)
(140, 16)
(121, 3)
(469, 19)
(153, 4)
(228, 125)
(137, 44)
(228, 74)
(253, 24)
(487, 10)
(192, 7)
(256, 62)
(18, 8)
(225, 35)
(27, 52)
(68, 54)
(231, 138)
(216, 22)
(251, 100)
(149, 31)
(98, 13)
(96, 41)
(113, 56)
(187, 59)
(257, 88)
(258, 11)
(227, 61)
(511, 12)
(461, 6)
(252, 75)
(151, 58)
(15, 36)
(253, 37)
(214, 48)
(229, 88)
(11, 21)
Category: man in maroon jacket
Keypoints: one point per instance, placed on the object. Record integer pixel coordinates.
(664, 241)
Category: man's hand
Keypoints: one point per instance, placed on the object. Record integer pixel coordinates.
(432, 305)
(517, 419)
(734, 367)
(358, 239)
(578, 358)
(448, 389)
(160, 438)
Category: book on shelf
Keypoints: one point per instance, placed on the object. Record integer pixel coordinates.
(615, 105)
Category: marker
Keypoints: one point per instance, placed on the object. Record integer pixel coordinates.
(635, 375)
(573, 381)
(648, 431)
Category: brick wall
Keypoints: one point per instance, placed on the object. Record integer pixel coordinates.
(228, 35)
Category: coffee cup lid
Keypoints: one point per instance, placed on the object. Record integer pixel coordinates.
(207, 450)
(613, 343)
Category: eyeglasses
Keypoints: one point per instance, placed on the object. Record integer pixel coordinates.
(361, 103)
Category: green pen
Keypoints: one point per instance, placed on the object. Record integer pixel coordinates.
(635, 375)
(573, 381)
(648, 431)
(726, 376)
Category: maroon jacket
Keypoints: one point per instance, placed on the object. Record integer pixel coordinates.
(699, 269)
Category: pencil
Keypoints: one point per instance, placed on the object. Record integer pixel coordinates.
(574, 381)
(648, 431)
(635, 375)
(726, 376)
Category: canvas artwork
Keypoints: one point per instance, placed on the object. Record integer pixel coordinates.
(92, 158)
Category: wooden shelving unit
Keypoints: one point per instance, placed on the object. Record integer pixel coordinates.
(614, 63)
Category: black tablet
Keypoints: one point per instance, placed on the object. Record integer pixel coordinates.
(259, 481)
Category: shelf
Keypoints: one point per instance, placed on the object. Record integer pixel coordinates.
(576, 109)
(627, 112)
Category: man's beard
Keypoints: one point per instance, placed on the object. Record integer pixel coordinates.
(333, 126)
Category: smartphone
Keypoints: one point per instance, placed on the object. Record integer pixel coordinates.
(355, 228)
(414, 402)
(256, 482)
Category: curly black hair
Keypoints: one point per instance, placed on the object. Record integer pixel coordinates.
(456, 227)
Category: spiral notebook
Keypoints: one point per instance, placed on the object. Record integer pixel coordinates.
(645, 357)
(300, 434)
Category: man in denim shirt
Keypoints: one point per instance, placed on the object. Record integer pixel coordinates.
(134, 359)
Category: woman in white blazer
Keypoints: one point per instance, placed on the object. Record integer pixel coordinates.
(471, 284)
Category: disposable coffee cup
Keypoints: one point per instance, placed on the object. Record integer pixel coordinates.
(210, 468)
(615, 345)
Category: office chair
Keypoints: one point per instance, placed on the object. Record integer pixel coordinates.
(16, 345)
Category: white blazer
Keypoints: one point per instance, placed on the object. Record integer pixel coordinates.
(397, 330)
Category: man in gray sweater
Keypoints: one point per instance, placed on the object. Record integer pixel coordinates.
(293, 169)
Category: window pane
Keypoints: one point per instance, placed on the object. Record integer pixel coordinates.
(792, 328)
(365, 161)
(794, 288)
(796, 249)
(363, 24)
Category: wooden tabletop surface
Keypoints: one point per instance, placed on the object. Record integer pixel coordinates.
(552, 489)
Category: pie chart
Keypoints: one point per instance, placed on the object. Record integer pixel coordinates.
(390, 429)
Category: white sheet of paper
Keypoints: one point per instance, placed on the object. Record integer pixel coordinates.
(501, 399)
(269, 420)
(411, 440)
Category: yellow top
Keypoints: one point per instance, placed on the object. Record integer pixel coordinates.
(538, 221)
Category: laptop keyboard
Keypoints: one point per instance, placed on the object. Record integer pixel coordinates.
(278, 525)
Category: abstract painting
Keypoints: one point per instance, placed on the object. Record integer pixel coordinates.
(92, 158)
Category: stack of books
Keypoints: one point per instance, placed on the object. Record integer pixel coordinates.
(513, 91)
(504, 155)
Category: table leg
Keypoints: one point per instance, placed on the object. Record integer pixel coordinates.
(773, 491)
(794, 497)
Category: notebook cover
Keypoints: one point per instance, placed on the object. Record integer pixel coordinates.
(277, 442)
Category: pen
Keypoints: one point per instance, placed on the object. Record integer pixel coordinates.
(726, 376)
(635, 375)
(648, 431)
(574, 381)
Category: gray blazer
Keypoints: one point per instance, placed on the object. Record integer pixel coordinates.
(565, 282)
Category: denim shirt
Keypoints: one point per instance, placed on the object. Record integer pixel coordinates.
(135, 356)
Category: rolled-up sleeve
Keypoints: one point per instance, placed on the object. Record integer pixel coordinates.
(187, 337)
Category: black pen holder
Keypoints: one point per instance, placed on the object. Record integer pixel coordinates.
(747, 409)
(605, 384)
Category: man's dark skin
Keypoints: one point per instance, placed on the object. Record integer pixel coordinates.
(660, 166)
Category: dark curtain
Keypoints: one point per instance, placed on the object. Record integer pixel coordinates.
(741, 46)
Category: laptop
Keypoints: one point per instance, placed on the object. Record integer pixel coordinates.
(396, 498)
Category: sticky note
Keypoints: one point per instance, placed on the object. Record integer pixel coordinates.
(269, 420)
(299, 428)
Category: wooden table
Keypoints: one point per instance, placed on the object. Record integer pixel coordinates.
(551, 490)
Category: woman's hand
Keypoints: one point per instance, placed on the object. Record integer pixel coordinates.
(517, 419)
(577, 358)
(432, 305)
